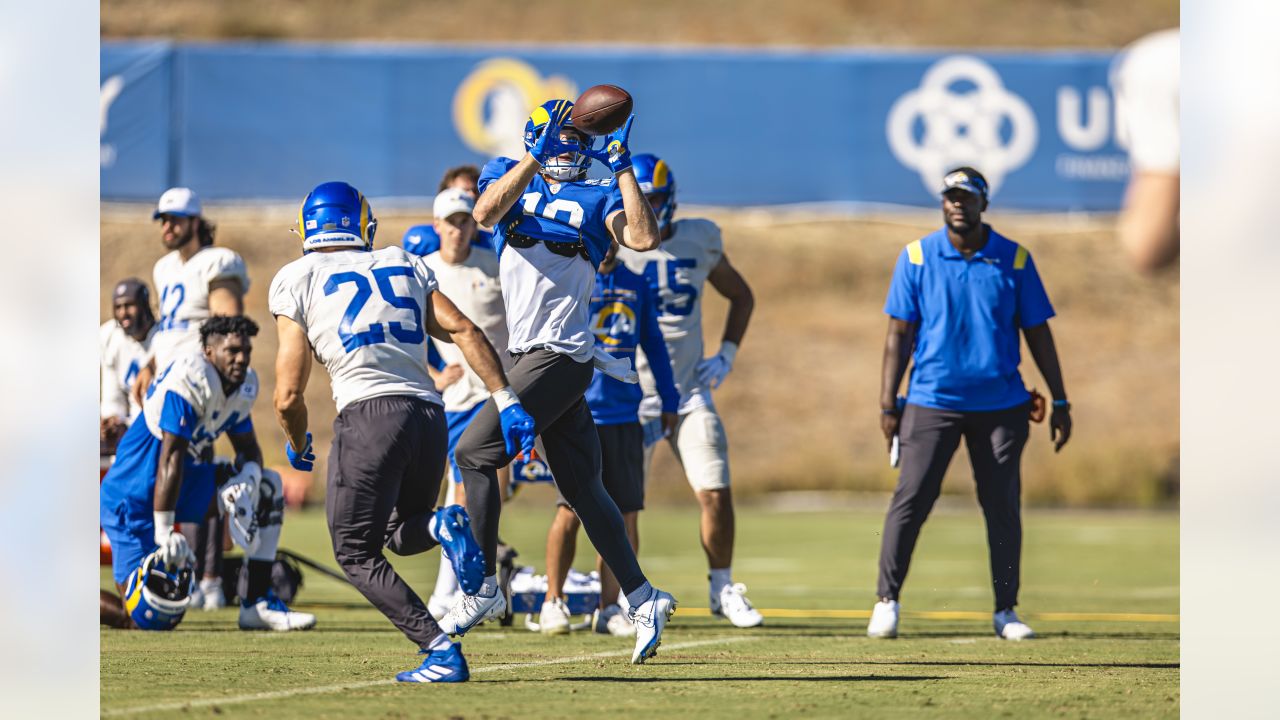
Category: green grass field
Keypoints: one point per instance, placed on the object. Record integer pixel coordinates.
(1101, 590)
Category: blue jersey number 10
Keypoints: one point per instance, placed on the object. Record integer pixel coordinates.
(352, 338)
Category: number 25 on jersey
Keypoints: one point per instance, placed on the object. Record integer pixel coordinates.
(376, 332)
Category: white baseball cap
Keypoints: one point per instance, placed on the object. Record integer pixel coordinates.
(177, 201)
(453, 200)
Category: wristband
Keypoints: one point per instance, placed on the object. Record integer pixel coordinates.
(164, 525)
(729, 350)
(505, 398)
(1063, 404)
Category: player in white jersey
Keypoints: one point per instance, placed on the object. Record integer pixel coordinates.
(468, 275)
(157, 481)
(691, 254)
(193, 281)
(365, 315)
(123, 344)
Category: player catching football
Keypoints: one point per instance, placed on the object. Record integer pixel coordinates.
(693, 253)
(553, 227)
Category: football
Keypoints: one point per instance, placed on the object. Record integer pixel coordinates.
(601, 109)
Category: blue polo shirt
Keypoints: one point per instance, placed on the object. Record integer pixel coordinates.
(969, 314)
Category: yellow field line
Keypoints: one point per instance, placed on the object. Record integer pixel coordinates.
(955, 615)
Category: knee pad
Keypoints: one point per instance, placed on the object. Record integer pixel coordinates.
(269, 515)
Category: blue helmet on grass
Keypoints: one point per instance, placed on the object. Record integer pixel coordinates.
(656, 178)
(336, 215)
(565, 171)
(155, 596)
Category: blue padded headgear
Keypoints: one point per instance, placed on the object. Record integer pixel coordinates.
(336, 215)
(655, 177)
(156, 597)
(576, 168)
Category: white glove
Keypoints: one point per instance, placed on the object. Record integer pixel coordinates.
(238, 500)
(712, 371)
(617, 368)
(173, 549)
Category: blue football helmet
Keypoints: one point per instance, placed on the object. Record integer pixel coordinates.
(336, 215)
(655, 178)
(155, 596)
(565, 171)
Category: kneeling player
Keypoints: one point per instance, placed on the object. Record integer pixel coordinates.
(623, 314)
(157, 480)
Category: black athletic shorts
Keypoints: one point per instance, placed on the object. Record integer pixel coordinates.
(622, 457)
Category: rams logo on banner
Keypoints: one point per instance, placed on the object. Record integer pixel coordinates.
(613, 323)
(493, 101)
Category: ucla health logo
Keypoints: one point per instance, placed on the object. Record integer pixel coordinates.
(961, 127)
(493, 101)
(613, 323)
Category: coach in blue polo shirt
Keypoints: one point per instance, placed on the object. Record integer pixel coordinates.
(958, 300)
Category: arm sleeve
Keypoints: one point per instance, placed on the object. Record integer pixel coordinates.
(655, 349)
(903, 301)
(1033, 302)
(284, 300)
(177, 416)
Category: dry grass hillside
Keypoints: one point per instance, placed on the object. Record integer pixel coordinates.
(801, 405)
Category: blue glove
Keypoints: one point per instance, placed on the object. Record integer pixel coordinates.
(517, 429)
(615, 154)
(302, 460)
(549, 144)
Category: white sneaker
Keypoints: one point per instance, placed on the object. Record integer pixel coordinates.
(270, 613)
(884, 620)
(211, 595)
(650, 617)
(439, 606)
(732, 603)
(1009, 627)
(613, 621)
(554, 618)
(471, 610)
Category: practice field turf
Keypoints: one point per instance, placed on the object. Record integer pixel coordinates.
(1101, 591)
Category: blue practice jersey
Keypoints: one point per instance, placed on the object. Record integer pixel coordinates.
(624, 313)
(423, 240)
(564, 212)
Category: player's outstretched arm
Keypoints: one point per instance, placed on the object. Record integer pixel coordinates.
(635, 225)
(446, 322)
(898, 342)
(501, 194)
(293, 369)
(1045, 352)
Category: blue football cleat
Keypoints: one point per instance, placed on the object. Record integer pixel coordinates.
(453, 530)
(440, 666)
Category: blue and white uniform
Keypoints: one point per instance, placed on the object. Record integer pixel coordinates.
(186, 400)
(121, 357)
(184, 297)
(547, 294)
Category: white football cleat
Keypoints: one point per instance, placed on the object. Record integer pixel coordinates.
(471, 610)
(732, 603)
(270, 613)
(1009, 627)
(554, 618)
(884, 620)
(211, 595)
(650, 617)
(439, 606)
(613, 621)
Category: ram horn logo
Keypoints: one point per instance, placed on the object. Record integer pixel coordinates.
(961, 128)
(493, 101)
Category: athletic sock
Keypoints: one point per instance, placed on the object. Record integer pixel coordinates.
(489, 588)
(446, 580)
(720, 579)
(441, 642)
(259, 580)
(640, 595)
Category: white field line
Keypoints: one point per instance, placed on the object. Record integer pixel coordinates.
(322, 689)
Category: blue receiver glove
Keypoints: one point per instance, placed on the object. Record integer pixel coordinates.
(517, 429)
(549, 144)
(303, 460)
(615, 154)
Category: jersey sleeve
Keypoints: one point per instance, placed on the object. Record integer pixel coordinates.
(493, 170)
(1033, 302)
(178, 416)
(426, 276)
(613, 201)
(224, 264)
(285, 297)
(903, 301)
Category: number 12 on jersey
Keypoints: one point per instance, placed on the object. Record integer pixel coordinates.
(352, 338)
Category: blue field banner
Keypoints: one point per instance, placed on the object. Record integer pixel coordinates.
(738, 127)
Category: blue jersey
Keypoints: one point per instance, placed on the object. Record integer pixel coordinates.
(423, 240)
(624, 313)
(565, 212)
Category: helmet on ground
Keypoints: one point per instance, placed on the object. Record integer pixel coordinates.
(335, 214)
(655, 178)
(156, 597)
